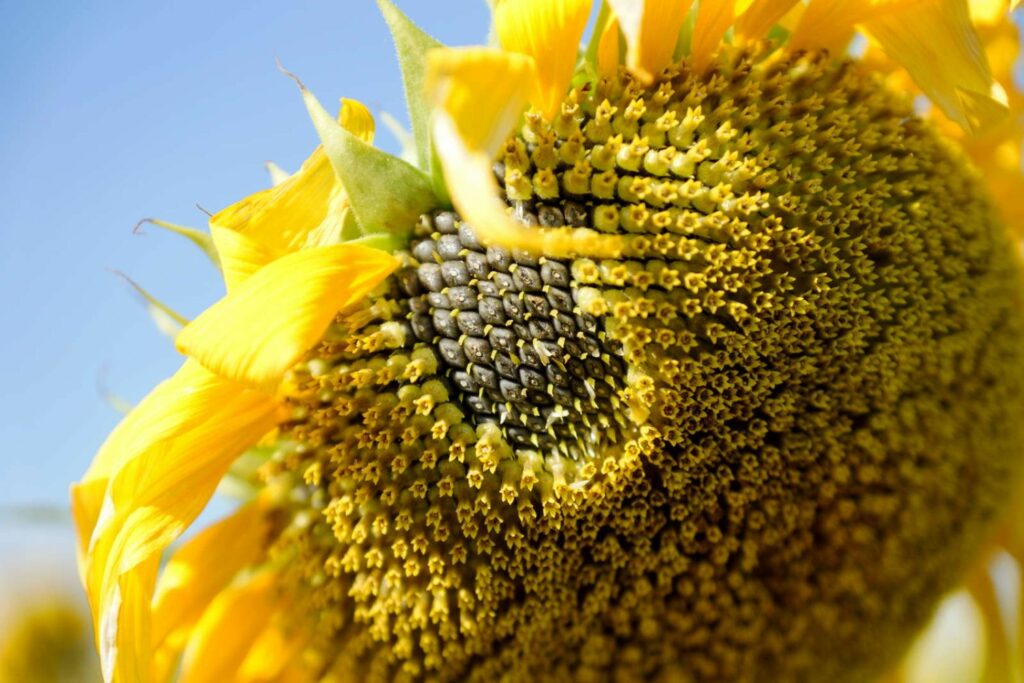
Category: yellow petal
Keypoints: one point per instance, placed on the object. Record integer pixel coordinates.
(475, 193)
(271, 654)
(936, 43)
(302, 210)
(549, 31)
(229, 628)
(952, 647)
(173, 407)
(652, 30)
(357, 119)
(156, 471)
(200, 569)
(240, 255)
(259, 330)
(479, 94)
(760, 16)
(277, 174)
(714, 17)
(482, 90)
(828, 25)
(608, 47)
(989, 11)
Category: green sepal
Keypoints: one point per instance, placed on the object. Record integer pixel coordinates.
(386, 194)
(201, 239)
(382, 241)
(406, 141)
(437, 180)
(590, 54)
(412, 45)
(164, 317)
(684, 44)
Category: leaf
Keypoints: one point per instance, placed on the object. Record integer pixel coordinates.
(406, 140)
(385, 193)
(166, 319)
(197, 237)
(412, 45)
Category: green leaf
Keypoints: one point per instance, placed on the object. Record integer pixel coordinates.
(590, 55)
(166, 320)
(201, 239)
(112, 399)
(412, 45)
(406, 140)
(386, 194)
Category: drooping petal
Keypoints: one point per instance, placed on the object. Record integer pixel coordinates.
(757, 19)
(714, 17)
(999, 653)
(479, 94)
(652, 29)
(259, 330)
(200, 569)
(482, 90)
(305, 209)
(173, 407)
(549, 31)
(240, 255)
(229, 628)
(608, 47)
(952, 648)
(937, 44)
(147, 484)
(272, 654)
(828, 25)
(934, 40)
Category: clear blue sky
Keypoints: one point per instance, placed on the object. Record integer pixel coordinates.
(113, 111)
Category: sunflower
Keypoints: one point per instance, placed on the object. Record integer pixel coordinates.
(686, 352)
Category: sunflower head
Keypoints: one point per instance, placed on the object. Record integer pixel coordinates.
(692, 355)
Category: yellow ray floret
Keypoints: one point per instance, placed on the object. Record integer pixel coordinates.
(480, 94)
(305, 209)
(229, 629)
(714, 17)
(933, 40)
(260, 329)
(198, 571)
(652, 31)
(158, 469)
(760, 16)
(549, 32)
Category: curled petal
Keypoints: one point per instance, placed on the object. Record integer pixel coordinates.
(479, 94)
(714, 17)
(229, 629)
(652, 30)
(549, 31)
(259, 330)
(199, 570)
(150, 480)
(302, 210)
(759, 16)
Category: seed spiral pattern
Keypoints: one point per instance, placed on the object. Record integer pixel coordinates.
(756, 447)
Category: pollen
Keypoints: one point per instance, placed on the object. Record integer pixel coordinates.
(758, 446)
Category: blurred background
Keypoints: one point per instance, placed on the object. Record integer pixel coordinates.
(112, 112)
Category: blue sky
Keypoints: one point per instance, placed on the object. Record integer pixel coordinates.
(114, 111)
